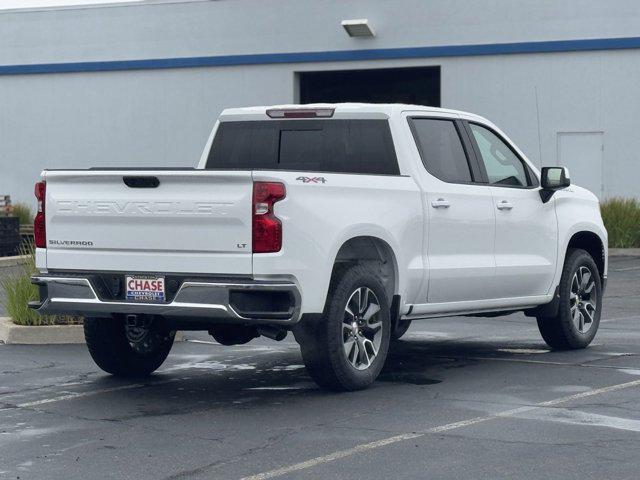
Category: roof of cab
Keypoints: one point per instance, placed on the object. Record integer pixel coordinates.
(388, 109)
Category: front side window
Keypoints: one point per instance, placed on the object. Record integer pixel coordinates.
(441, 149)
(502, 165)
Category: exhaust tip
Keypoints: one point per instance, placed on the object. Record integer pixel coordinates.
(274, 333)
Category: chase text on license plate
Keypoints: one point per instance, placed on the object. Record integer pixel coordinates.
(145, 288)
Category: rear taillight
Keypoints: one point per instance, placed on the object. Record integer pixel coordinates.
(39, 226)
(267, 229)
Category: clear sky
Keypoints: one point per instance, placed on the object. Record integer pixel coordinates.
(7, 4)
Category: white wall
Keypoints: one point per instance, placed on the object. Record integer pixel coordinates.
(225, 27)
(162, 117)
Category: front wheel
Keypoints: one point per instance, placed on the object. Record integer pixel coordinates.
(578, 317)
(346, 347)
(128, 348)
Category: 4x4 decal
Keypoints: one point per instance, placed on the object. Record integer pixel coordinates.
(311, 179)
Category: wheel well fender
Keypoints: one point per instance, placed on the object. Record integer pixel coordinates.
(586, 240)
(375, 253)
(593, 244)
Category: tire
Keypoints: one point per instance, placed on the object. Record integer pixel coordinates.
(399, 329)
(578, 317)
(113, 350)
(344, 352)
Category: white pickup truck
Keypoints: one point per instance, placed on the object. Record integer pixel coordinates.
(342, 223)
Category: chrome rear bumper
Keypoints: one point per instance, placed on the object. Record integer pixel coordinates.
(76, 295)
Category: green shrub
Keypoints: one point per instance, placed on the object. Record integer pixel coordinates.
(19, 291)
(621, 217)
(24, 213)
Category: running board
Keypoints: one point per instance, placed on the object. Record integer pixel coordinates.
(435, 310)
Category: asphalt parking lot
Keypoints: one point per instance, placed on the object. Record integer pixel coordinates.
(459, 398)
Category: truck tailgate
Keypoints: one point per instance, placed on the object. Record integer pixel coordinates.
(193, 221)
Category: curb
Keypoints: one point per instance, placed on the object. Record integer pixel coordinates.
(12, 261)
(10, 333)
(624, 252)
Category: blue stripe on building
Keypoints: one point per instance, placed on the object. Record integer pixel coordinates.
(553, 46)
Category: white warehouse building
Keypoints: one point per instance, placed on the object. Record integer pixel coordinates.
(141, 83)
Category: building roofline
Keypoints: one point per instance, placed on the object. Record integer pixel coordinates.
(86, 6)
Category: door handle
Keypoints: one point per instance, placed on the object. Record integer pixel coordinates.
(440, 203)
(504, 205)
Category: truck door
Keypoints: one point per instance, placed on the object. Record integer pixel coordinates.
(526, 228)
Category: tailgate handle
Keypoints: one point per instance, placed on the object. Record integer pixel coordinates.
(141, 182)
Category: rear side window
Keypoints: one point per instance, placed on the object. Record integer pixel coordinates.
(441, 149)
(335, 146)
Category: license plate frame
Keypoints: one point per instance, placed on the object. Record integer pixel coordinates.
(145, 288)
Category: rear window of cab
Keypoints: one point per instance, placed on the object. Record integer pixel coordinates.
(331, 146)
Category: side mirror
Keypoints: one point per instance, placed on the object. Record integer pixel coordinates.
(552, 179)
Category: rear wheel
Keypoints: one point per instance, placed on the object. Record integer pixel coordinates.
(346, 347)
(578, 317)
(133, 347)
